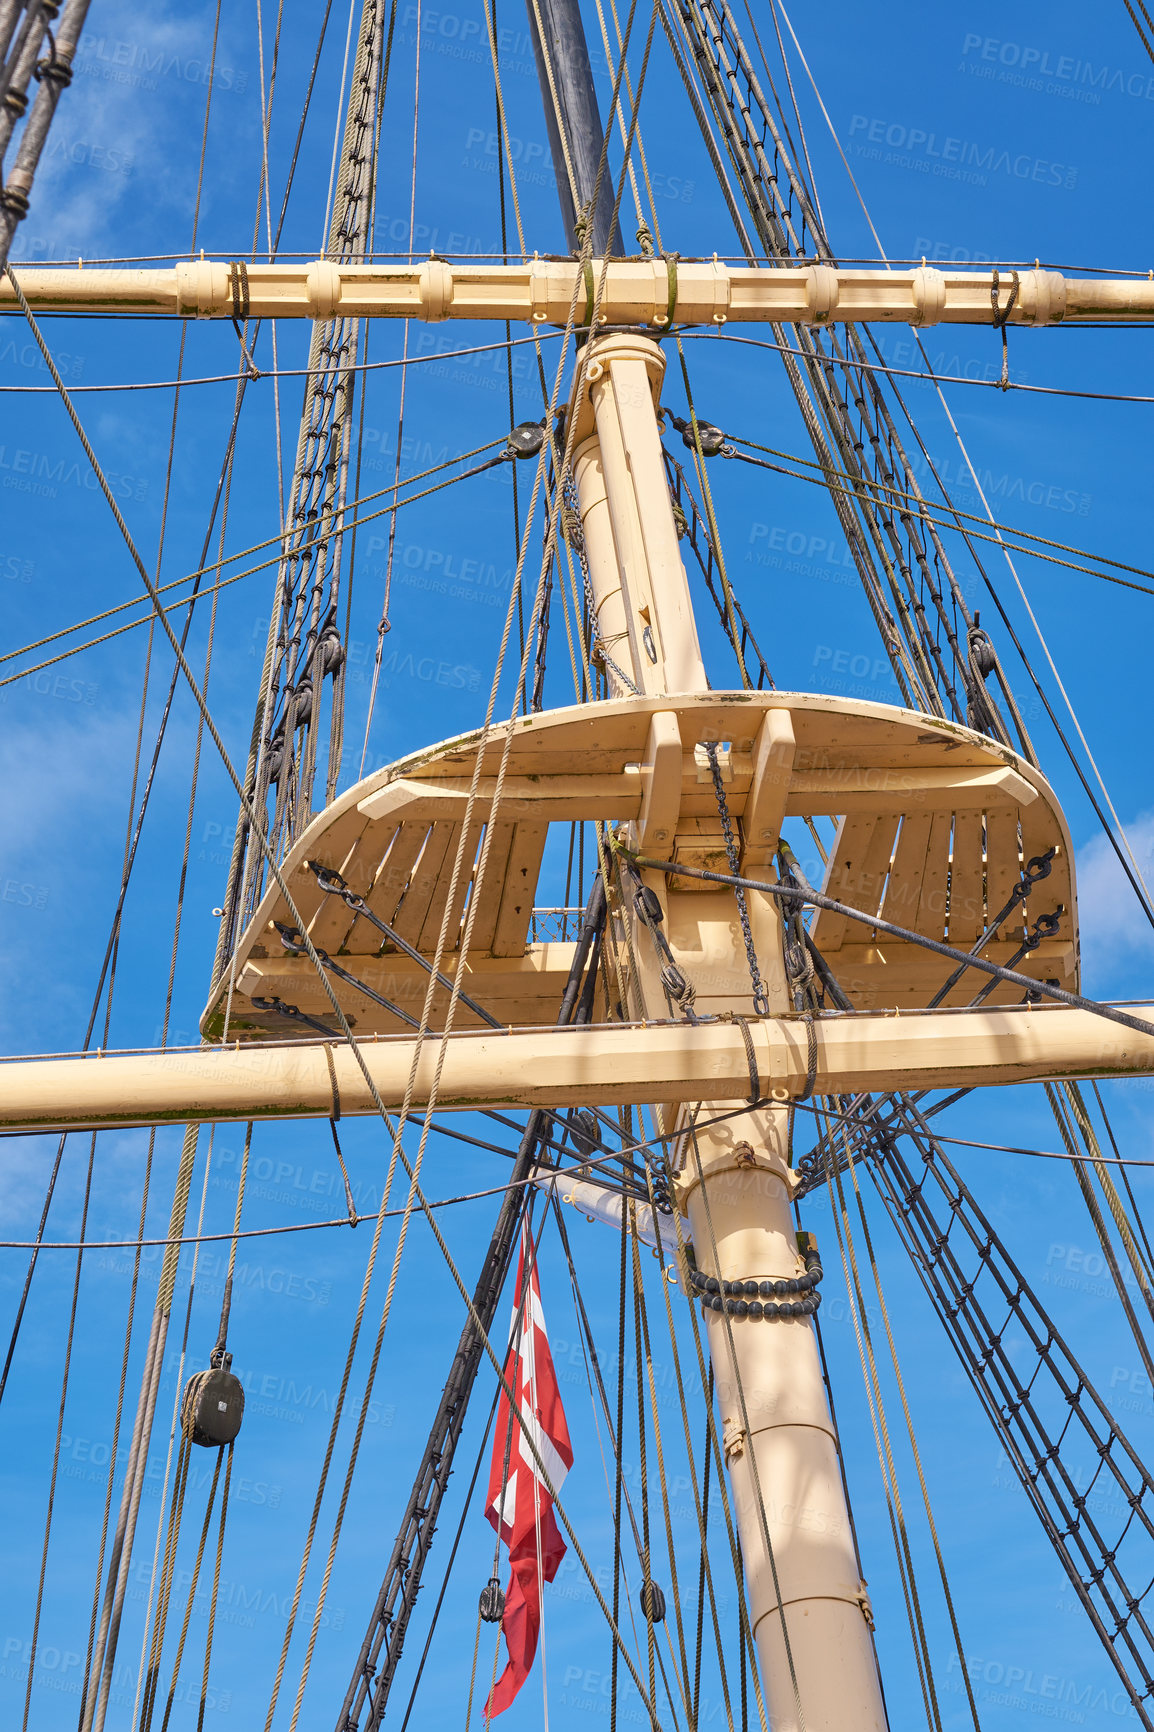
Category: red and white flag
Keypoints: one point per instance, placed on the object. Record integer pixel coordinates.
(523, 1516)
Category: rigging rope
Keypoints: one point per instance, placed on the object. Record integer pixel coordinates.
(921, 512)
(1119, 843)
(886, 1463)
(706, 1376)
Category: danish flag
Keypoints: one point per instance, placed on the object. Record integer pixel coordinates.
(520, 1505)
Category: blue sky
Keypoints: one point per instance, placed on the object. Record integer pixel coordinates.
(971, 136)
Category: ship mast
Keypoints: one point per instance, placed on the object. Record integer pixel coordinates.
(808, 1610)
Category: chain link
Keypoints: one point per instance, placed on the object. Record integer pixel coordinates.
(574, 532)
(760, 996)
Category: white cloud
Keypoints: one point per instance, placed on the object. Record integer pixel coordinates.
(125, 141)
(1115, 931)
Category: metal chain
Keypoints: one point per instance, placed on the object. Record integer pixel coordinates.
(574, 533)
(760, 996)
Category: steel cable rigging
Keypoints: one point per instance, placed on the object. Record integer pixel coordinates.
(895, 565)
(988, 721)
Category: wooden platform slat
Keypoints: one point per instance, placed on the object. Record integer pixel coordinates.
(904, 888)
(333, 917)
(967, 879)
(522, 871)
(431, 930)
(338, 927)
(875, 869)
(410, 917)
(387, 888)
(892, 974)
(492, 888)
(931, 915)
(442, 873)
(337, 849)
(854, 836)
(888, 788)
(1003, 868)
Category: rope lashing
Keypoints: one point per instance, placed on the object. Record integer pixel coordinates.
(999, 322)
(238, 288)
(811, 1056)
(671, 274)
(336, 1112)
(750, 1055)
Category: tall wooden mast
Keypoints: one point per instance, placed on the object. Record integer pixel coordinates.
(808, 1609)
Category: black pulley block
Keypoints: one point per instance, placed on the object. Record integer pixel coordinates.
(213, 1407)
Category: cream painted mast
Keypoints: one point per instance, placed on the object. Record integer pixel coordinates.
(808, 1611)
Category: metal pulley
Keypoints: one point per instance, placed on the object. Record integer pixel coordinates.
(983, 657)
(648, 904)
(491, 1604)
(527, 438)
(275, 755)
(330, 650)
(213, 1407)
(711, 438)
(303, 707)
(652, 1603)
(583, 1128)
